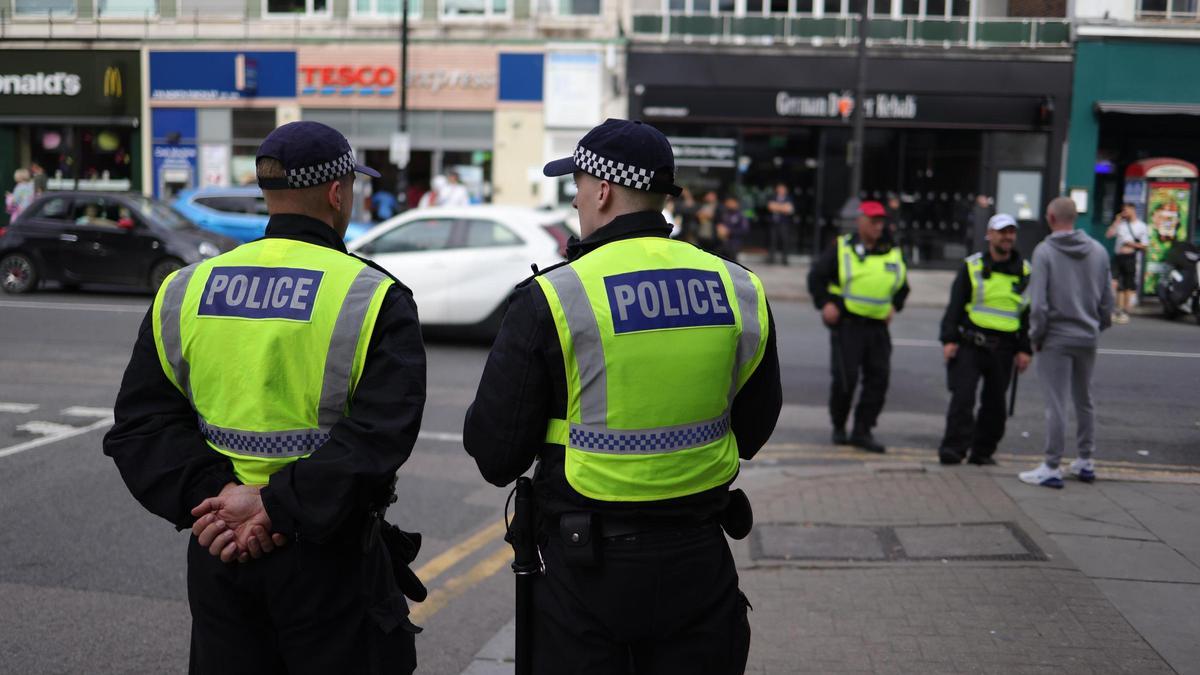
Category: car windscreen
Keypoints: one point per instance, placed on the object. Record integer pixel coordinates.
(157, 213)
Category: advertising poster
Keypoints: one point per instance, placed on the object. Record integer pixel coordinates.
(1167, 215)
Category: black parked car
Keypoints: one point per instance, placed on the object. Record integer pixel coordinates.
(100, 237)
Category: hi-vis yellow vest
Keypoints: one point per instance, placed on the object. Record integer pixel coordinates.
(657, 338)
(867, 284)
(996, 301)
(267, 342)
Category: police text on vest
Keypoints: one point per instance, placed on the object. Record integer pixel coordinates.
(261, 293)
(658, 299)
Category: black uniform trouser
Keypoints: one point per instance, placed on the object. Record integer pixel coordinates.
(663, 602)
(304, 608)
(964, 429)
(778, 242)
(859, 347)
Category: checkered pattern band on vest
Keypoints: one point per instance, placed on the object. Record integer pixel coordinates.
(614, 172)
(265, 444)
(649, 442)
(321, 173)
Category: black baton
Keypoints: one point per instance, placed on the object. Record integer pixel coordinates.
(1012, 395)
(526, 563)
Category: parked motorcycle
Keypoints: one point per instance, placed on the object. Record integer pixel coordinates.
(1179, 288)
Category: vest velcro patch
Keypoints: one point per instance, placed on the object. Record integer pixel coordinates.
(658, 299)
(261, 293)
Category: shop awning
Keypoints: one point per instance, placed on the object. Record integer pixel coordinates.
(1148, 108)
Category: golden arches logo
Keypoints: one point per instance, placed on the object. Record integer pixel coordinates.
(113, 86)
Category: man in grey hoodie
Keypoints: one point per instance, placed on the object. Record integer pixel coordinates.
(1071, 301)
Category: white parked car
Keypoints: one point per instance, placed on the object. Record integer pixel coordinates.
(462, 262)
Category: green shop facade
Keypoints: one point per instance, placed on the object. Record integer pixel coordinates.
(1133, 100)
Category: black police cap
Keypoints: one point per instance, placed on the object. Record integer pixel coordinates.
(311, 153)
(631, 154)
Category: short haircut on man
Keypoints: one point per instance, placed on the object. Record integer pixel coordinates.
(1063, 209)
(641, 200)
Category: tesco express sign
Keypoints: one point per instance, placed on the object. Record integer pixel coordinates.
(340, 80)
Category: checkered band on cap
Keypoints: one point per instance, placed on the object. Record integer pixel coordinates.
(321, 173)
(614, 172)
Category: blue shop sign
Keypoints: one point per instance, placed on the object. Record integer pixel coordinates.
(221, 76)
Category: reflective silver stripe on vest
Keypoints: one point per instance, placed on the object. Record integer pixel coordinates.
(647, 441)
(589, 348)
(339, 362)
(747, 299)
(293, 443)
(981, 292)
(169, 316)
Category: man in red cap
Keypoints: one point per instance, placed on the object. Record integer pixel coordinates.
(859, 285)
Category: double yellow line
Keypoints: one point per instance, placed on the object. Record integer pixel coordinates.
(457, 585)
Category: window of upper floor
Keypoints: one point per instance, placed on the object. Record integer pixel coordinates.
(301, 8)
(920, 9)
(44, 8)
(388, 9)
(569, 7)
(119, 9)
(1168, 10)
(475, 9)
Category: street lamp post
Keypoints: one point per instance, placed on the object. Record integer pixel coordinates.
(402, 174)
(860, 97)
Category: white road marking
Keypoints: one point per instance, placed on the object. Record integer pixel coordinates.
(44, 428)
(47, 440)
(440, 436)
(20, 408)
(84, 411)
(905, 342)
(126, 309)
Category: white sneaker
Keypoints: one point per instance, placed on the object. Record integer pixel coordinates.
(1084, 470)
(1044, 476)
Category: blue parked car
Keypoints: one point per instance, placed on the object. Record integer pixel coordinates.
(236, 212)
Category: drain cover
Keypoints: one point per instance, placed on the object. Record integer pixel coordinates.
(959, 541)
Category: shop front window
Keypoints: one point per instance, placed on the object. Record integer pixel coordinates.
(297, 7)
(41, 8)
(250, 127)
(475, 9)
(126, 8)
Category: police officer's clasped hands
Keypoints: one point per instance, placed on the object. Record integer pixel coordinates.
(235, 525)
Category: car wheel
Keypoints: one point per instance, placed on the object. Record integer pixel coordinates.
(18, 273)
(161, 271)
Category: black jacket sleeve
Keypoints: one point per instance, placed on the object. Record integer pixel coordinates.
(348, 475)
(960, 294)
(1023, 343)
(156, 443)
(506, 425)
(823, 273)
(756, 407)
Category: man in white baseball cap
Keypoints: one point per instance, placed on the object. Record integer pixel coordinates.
(985, 335)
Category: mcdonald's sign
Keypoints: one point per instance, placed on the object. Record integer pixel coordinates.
(70, 82)
(113, 87)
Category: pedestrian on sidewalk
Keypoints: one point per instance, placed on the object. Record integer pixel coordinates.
(1065, 322)
(985, 335)
(858, 285)
(732, 228)
(637, 435)
(781, 219)
(1132, 237)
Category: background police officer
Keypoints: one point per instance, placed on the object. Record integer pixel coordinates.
(236, 419)
(985, 330)
(859, 284)
(670, 375)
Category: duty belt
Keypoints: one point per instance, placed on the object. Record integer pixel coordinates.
(981, 339)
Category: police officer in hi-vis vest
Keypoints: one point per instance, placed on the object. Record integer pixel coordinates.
(637, 374)
(859, 284)
(985, 333)
(272, 394)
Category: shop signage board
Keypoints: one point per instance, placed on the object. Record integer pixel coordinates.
(440, 77)
(208, 76)
(712, 153)
(573, 88)
(70, 82)
(896, 108)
